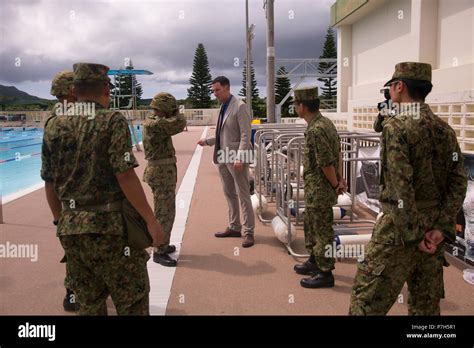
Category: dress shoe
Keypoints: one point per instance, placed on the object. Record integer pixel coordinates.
(309, 267)
(318, 280)
(228, 233)
(248, 241)
(69, 302)
(164, 260)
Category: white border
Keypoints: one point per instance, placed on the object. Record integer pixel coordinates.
(161, 278)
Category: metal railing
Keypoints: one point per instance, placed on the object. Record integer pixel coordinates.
(279, 174)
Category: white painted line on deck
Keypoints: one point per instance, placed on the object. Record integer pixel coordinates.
(161, 278)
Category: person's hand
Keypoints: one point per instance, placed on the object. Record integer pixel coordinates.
(341, 187)
(238, 165)
(202, 142)
(156, 232)
(431, 241)
(434, 237)
(426, 247)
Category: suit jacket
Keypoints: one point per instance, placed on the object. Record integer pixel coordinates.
(235, 133)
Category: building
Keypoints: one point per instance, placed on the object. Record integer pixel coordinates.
(374, 35)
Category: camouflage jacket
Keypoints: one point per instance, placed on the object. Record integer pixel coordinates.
(81, 156)
(157, 132)
(422, 168)
(321, 150)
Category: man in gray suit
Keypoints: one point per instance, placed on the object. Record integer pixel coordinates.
(232, 154)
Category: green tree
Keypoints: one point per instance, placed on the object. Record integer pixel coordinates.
(199, 94)
(329, 89)
(123, 86)
(261, 110)
(282, 88)
(253, 85)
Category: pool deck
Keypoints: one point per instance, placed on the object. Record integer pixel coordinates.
(214, 276)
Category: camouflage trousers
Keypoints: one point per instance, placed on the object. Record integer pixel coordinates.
(319, 234)
(385, 269)
(164, 201)
(67, 278)
(101, 265)
(162, 180)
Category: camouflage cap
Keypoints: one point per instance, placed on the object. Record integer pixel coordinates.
(62, 83)
(91, 72)
(306, 94)
(164, 102)
(412, 71)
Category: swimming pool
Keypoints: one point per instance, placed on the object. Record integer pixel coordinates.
(20, 158)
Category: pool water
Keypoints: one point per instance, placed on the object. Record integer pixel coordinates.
(20, 158)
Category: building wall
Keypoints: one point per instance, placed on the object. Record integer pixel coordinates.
(455, 33)
(379, 41)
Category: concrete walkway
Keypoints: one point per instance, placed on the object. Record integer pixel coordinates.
(218, 276)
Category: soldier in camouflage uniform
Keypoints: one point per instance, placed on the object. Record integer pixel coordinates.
(61, 88)
(161, 172)
(88, 166)
(423, 185)
(322, 184)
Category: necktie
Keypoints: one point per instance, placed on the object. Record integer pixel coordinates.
(219, 126)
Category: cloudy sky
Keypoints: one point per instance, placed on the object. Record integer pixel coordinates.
(41, 37)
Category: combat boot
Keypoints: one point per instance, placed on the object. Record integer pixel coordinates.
(69, 303)
(318, 280)
(164, 260)
(170, 249)
(309, 267)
